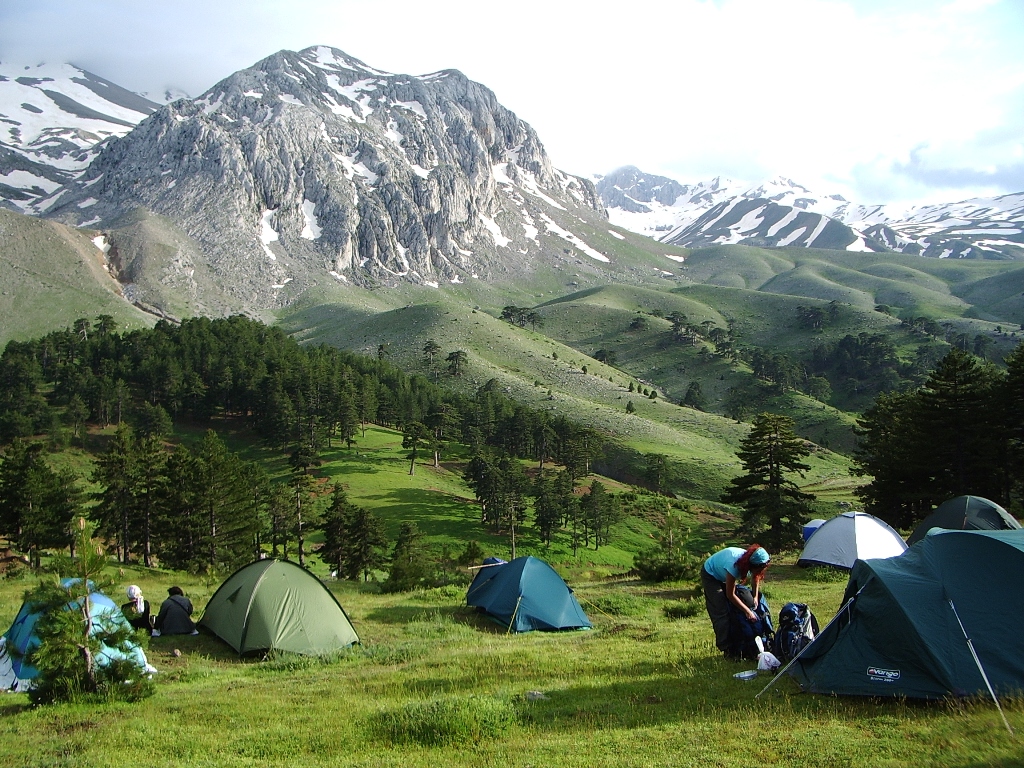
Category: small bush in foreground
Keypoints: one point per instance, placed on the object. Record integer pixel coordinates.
(83, 654)
(445, 722)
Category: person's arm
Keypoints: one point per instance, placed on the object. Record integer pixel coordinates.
(756, 580)
(730, 594)
(159, 623)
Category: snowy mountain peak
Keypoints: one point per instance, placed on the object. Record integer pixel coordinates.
(312, 167)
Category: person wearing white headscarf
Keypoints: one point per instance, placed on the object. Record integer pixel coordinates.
(137, 610)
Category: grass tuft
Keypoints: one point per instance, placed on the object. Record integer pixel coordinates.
(445, 721)
(683, 609)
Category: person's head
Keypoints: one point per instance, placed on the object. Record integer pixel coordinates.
(175, 591)
(135, 595)
(753, 561)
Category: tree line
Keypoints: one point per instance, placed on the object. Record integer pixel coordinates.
(201, 507)
(962, 432)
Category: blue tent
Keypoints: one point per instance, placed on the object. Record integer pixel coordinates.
(17, 675)
(526, 594)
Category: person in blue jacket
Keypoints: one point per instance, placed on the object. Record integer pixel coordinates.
(719, 577)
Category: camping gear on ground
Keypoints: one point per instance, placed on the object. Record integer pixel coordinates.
(768, 662)
(748, 639)
(851, 536)
(797, 628)
(21, 639)
(928, 624)
(965, 513)
(526, 594)
(276, 605)
(810, 527)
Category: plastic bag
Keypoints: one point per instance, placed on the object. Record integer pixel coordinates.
(768, 661)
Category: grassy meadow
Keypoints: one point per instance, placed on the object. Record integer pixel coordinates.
(435, 684)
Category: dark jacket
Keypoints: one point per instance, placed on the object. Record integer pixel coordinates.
(138, 620)
(174, 617)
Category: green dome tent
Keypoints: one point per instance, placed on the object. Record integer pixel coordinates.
(524, 595)
(965, 513)
(276, 605)
(905, 621)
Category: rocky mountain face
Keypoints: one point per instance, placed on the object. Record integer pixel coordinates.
(783, 213)
(51, 120)
(313, 167)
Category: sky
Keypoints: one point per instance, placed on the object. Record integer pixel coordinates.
(882, 101)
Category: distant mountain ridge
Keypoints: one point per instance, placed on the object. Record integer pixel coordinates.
(783, 213)
(52, 118)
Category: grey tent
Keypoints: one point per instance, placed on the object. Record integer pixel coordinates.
(966, 513)
(904, 624)
(849, 537)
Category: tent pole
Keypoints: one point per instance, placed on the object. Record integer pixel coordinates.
(782, 671)
(977, 661)
(512, 621)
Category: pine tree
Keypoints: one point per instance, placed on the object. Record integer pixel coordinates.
(899, 491)
(547, 511)
(409, 567)
(335, 526)
(416, 437)
(72, 636)
(773, 505)
(961, 428)
(366, 548)
(117, 474)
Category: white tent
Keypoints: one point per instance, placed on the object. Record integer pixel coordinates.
(848, 537)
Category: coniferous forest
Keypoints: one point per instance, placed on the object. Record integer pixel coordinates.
(200, 507)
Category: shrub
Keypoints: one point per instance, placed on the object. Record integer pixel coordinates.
(73, 637)
(660, 565)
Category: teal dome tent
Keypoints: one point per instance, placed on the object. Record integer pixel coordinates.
(905, 622)
(966, 513)
(524, 595)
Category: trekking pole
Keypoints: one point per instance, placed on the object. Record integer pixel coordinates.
(977, 661)
(801, 653)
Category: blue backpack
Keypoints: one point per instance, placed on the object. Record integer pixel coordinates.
(797, 627)
(742, 633)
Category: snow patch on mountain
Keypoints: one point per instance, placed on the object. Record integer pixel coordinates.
(52, 117)
(780, 213)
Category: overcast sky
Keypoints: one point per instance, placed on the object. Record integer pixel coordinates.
(879, 100)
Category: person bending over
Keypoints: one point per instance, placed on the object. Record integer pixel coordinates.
(719, 577)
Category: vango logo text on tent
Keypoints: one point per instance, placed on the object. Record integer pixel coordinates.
(883, 675)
